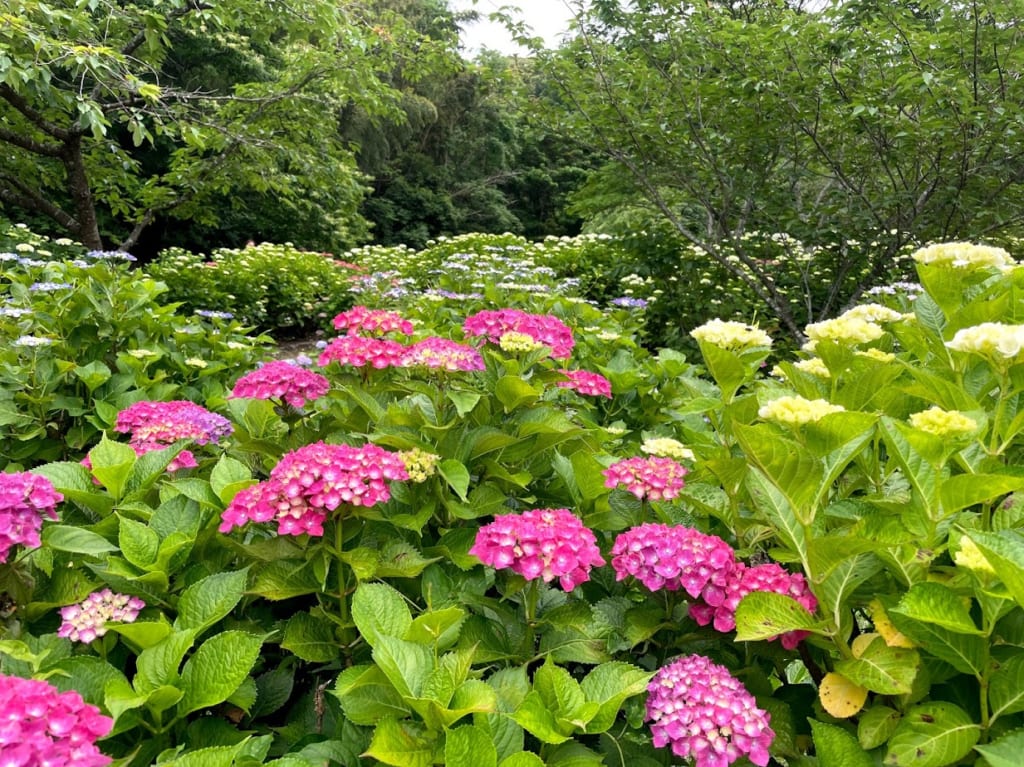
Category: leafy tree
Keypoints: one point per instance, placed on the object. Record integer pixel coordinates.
(85, 87)
(859, 127)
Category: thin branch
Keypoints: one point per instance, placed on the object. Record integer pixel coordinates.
(20, 103)
(18, 193)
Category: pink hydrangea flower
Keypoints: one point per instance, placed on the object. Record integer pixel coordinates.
(87, 620)
(542, 328)
(358, 351)
(42, 726)
(585, 382)
(312, 481)
(360, 319)
(163, 423)
(654, 477)
(282, 380)
(674, 557)
(442, 353)
(705, 714)
(541, 543)
(25, 499)
(720, 609)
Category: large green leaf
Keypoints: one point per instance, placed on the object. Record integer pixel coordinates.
(836, 747)
(882, 669)
(404, 744)
(964, 490)
(1005, 751)
(379, 610)
(112, 462)
(764, 614)
(1006, 688)
(931, 602)
(367, 696)
(609, 685)
(778, 511)
(789, 466)
(965, 652)
(76, 540)
(932, 734)
(310, 639)
(1005, 552)
(207, 601)
(218, 667)
(469, 746)
(917, 454)
(157, 666)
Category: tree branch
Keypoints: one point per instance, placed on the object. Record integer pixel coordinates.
(30, 145)
(19, 102)
(18, 193)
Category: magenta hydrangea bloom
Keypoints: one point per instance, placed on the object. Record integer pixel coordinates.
(585, 382)
(161, 424)
(358, 351)
(361, 319)
(444, 354)
(654, 477)
(284, 381)
(43, 727)
(705, 714)
(25, 499)
(87, 620)
(540, 543)
(674, 557)
(309, 483)
(720, 609)
(543, 328)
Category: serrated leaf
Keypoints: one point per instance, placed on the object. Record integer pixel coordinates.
(1006, 688)
(536, 718)
(931, 602)
(964, 652)
(609, 685)
(841, 697)
(522, 759)
(513, 391)
(1005, 751)
(406, 664)
(398, 559)
(787, 465)
(112, 462)
(216, 756)
(228, 476)
(764, 614)
(367, 696)
(456, 475)
(284, 579)
(773, 506)
(139, 544)
(964, 490)
(1005, 552)
(835, 747)
(143, 634)
(438, 627)
(379, 610)
(469, 746)
(402, 744)
(76, 540)
(876, 725)
(932, 734)
(310, 639)
(207, 601)
(218, 667)
(157, 666)
(882, 669)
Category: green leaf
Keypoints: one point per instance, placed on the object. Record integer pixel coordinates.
(513, 391)
(464, 401)
(536, 718)
(112, 462)
(778, 511)
(367, 696)
(1005, 751)
(402, 744)
(964, 490)
(76, 540)
(1006, 688)
(142, 634)
(407, 664)
(876, 725)
(284, 579)
(438, 627)
(93, 375)
(207, 601)
(379, 610)
(916, 453)
(1005, 552)
(932, 735)
(764, 614)
(215, 756)
(138, 542)
(931, 602)
(563, 695)
(882, 669)
(965, 652)
(609, 685)
(228, 477)
(218, 667)
(310, 639)
(836, 747)
(157, 666)
(522, 759)
(456, 475)
(726, 368)
(469, 746)
(787, 464)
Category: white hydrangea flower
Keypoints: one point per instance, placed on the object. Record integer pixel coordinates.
(735, 336)
(993, 339)
(963, 255)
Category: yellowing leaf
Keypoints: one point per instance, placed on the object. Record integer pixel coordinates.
(892, 636)
(860, 644)
(840, 697)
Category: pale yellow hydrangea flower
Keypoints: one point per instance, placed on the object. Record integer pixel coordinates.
(963, 255)
(736, 336)
(797, 411)
(419, 464)
(514, 341)
(196, 362)
(990, 338)
(815, 366)
(849, 330)
(877, 355)
(666, 447)
(873, 313)
(141, 354)
(943, 423)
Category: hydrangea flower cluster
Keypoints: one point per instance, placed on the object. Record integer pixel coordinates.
(359, 351)
(704, 713)
(719, 609)
(667, 447)
(43, 726)
(990, 339)
(585, 382)
(735, 336)
(944, 423)
(873, 313)
(963, 255)
(674, 557)
(815, 366)
(154, 425)
(419, 464)
(25, 499)
(312, 481)
(543, 328)
(514, 341)
(361, 319)
(282, 381)
(540, 543)
(843, 330)
(797, 411)
(87, 620)
(656, 478)
(442, 353)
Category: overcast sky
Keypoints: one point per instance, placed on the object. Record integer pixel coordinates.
(547, 18)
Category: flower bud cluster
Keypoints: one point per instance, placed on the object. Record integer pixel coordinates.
(43, 726)
(361, 319)
(542, 328)
(87, 620)
(585, 382)
(797, 411)
(540, 543)
(667, 447)
(990, 339)
(25, 499)
(284, 381)
(312, 481)
(951, 424)
(655, 477)
(705, 714)
(419, 464)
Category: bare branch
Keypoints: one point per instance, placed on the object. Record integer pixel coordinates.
(19, 102)
(15, 192)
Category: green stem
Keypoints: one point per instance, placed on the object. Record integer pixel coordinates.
(339, 543)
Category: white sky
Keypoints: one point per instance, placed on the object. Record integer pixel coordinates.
(548, 19)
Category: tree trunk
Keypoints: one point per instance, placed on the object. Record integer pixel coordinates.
(88, 231)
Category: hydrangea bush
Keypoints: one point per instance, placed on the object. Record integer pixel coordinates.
(468, 563)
